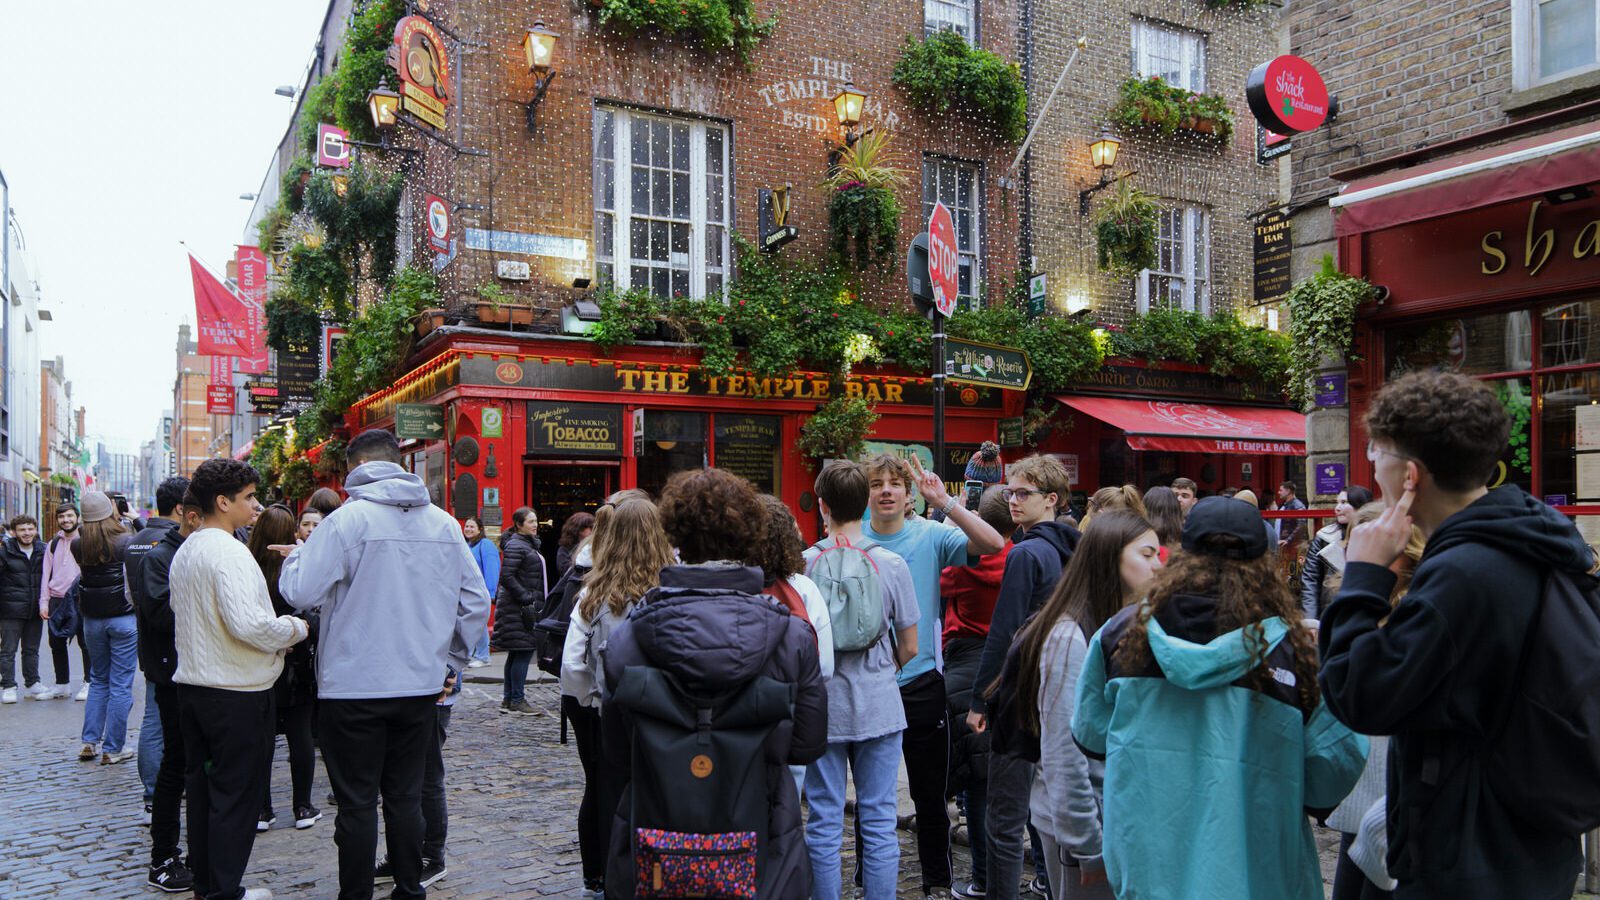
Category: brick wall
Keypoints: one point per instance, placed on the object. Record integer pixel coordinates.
(1181, 169)
(779, 112)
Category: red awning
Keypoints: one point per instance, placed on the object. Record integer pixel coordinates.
(1529, 167)
(1198, 427)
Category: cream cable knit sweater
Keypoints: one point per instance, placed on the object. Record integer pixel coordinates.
(227, 636)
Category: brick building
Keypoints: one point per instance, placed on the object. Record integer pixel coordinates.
(197, 435)
(1458, 176)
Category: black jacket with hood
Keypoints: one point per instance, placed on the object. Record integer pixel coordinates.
(694, 628)
(1438, 676)
(522, 590)
(20, 575)
(1033, 567)
(158, 639)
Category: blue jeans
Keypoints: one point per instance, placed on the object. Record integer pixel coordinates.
(113, 656)
(482, 650)
(875, 765)
(150, 743)
(516, 676)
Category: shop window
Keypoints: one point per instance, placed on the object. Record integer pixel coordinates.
(673, 442)
(949, 15)
(661, 203)
(1176, 55)
(748, 446)
(1554, 39)
(1182, 276)
(1480, 345)
(1567, 337)
(957, 185)
(1569, 407)
(1516, 464)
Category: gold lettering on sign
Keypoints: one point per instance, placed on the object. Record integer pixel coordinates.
(1588, 243)
(1546, 241)
(1491, 251)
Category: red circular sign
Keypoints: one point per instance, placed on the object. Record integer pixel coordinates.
(508, 372)
(943, 259)
(1287, 95)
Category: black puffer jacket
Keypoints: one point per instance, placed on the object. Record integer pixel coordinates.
(522, 589)
(1316, 571)
(104, 591)
(709, 627)
(20, 574)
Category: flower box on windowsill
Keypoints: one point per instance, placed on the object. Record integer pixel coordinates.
(503, 314)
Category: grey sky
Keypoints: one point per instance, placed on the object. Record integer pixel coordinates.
(125, 129)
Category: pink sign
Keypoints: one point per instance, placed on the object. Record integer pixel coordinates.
(333, 149)
(251, 266)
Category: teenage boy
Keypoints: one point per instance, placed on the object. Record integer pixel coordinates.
(1188, 492)
(865, 713)
(927, 548)
(1436, 671)
(169, 509)
(60, 571)
(403, 603)
(1034, 490)
(21, 572)
(230, 652)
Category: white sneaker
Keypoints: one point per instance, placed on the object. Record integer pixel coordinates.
(477, 663)
(40, 692)
(9, 695)
(258, 894)
(83, 693)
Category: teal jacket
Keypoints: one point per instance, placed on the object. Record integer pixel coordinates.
(1210, 775)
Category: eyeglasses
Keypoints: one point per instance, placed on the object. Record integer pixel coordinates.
(1022, 494)
(1373, 452)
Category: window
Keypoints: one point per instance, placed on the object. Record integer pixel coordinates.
(1554, 39)
(949, 15)
(957, 184)
(661, 203)
(1182, 276)
(1178, 56)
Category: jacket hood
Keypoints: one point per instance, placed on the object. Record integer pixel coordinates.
(709, 624)
(173, 536)
(1509, 519)
(1192, 655)
(386, 483)
(1063, 538)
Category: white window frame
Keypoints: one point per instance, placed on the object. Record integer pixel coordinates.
(1525, 47)
(960, 16)
(1148, 35)
(700, 265)
(1191, 268)
(944, 167)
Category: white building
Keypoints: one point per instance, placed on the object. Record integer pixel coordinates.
(20, 411)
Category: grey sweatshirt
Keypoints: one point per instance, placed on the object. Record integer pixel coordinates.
(1068, 787)
(401, 597)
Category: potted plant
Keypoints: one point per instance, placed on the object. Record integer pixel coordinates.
(944, 71)
(428, 320)
(838, 429)
(1154, 105)
(497, 307)
(863, 213)
(1125, 231)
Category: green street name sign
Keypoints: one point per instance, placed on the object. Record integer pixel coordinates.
(420, 421)
(990, 365)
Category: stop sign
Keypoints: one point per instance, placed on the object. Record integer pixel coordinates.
(943, 260)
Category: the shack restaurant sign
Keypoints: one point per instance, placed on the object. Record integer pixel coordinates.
(1287, 95)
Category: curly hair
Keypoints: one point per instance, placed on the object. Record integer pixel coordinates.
(1453, 425)
(572, 529)
(782, 553)
(1247, 592)
(890, 467)
(630, 550)
(712, 514)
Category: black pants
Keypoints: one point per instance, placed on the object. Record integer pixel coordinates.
(435, 814)
(1349, 882)
(225, 743)
(294, 723)
(23, 635)
(58, 658)
(376, 748)
(594, 817)
(926, 746)
(164, 818)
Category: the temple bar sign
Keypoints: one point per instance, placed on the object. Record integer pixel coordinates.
(1274, 244)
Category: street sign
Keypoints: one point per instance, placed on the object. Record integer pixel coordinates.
(1036, 292)
(1011, 432)
(421, 421)
(943, 259)
(990, 365)
(492, 422)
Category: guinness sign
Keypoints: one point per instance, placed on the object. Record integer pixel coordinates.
(774, 218)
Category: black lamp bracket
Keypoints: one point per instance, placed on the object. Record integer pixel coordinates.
(1105, 181)
(541, 83)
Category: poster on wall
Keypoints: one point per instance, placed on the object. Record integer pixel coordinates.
(574, 429)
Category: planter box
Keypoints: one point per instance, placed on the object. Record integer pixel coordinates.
(504, 314)
(428, 320)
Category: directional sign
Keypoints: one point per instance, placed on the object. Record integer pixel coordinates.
(943, 259)
(421, 421)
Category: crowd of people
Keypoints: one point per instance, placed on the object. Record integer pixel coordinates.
(1136, 696)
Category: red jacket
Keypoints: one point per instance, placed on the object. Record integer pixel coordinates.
(969, 593)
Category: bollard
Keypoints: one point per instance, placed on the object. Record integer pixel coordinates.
(1591, 861)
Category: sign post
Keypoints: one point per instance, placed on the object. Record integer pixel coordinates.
(943, 272)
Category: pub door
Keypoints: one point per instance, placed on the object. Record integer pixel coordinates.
(556, 490)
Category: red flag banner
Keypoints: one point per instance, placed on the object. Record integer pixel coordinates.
(251, 264)
(219, 393)
(223, 324)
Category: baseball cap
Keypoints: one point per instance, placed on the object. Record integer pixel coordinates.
(1224, 516)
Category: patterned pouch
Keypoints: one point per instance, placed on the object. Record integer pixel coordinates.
(674, 864)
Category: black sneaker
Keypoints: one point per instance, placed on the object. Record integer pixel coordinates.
(383, 873)
(306, 816)
(332, 800)
(171, 876)
(521, 708)
(433, 870)
(266, 820)
(971, 890)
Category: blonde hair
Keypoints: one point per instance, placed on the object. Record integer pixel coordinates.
(892, 467)
(1108, 498)
(630, 549)
(1045, 473)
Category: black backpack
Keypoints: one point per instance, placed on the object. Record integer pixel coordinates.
(553, 619)
(1544, 760)
(699, 797)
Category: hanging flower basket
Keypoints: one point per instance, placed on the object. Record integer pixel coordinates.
(1152, 105)
(1125, 231)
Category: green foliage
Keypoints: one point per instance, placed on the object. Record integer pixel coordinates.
(270, 229)
(362, 66)
(268, 455)
(292, 325)
(1152, 103)
(943, 70)
(290, 189)
(297, 479)
(1221, 342)
(624, 317)
(838, 429)
(362, 223)
(720, 24)
(316, 107)
(1519, 408)
(867, 219)
(1125, 231)
(1322, 315)
(1063, 351)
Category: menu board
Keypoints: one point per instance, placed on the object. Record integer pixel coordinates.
(747, 446)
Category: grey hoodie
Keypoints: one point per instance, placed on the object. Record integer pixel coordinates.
(401, 597)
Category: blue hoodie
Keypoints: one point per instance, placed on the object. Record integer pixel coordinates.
(402, 598)
(1209, 775)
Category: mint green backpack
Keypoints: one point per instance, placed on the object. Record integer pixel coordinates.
(848, 579)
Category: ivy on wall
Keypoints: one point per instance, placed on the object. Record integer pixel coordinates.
(1322, 316)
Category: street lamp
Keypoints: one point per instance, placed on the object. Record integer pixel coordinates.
(1103, 156)
(539, 46)
(847, 104)
(384, 106)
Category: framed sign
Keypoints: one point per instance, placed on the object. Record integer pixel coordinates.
(1274, 244)
(574, 429)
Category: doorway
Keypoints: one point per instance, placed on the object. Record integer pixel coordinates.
(556, 490)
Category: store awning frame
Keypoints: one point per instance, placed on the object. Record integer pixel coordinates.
(1187, 427)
